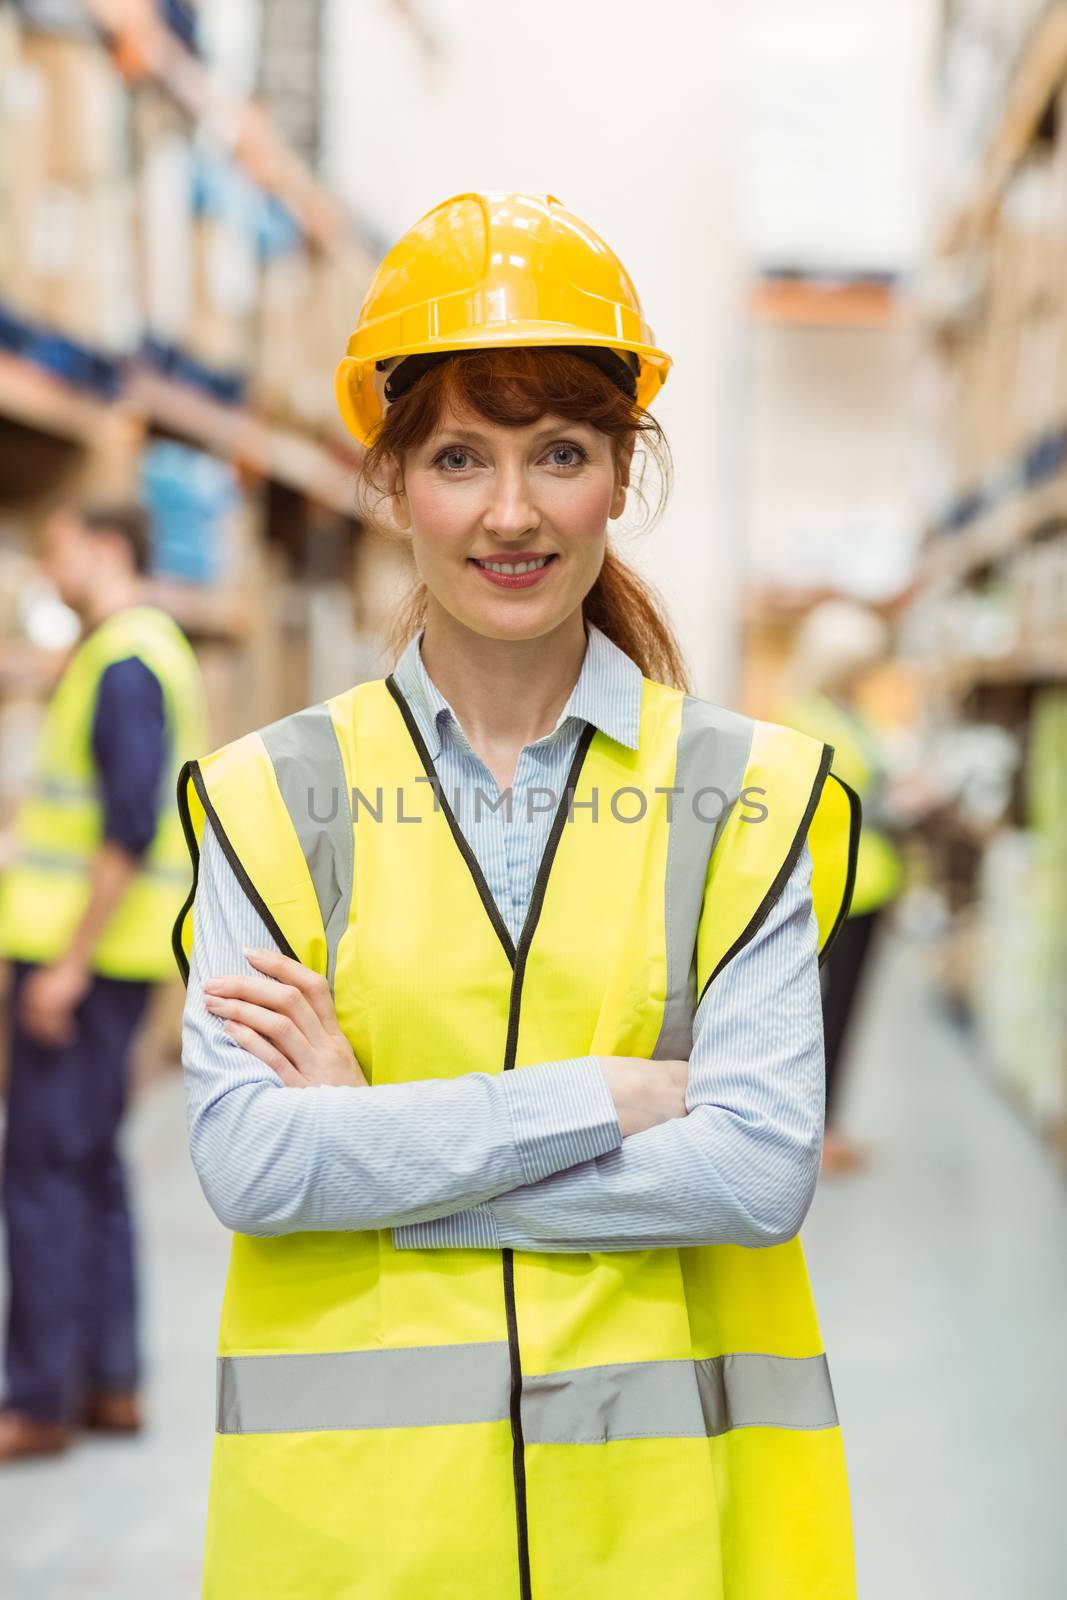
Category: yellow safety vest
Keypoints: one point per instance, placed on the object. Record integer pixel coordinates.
(879, 867)
(58, 828)
(517, 1425)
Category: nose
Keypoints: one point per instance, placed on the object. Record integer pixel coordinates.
(511, 513)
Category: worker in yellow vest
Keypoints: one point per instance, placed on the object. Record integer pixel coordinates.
(502, 1038)
(839, 644)
(97, 873)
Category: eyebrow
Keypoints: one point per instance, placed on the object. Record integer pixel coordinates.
(472, 436)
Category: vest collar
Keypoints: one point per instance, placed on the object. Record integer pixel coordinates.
(607, 694)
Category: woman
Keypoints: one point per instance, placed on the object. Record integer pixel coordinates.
(516, 1306)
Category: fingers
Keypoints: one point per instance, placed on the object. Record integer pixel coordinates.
(278, 1027)
(270, 995)
(312, 985)
(256, 1045)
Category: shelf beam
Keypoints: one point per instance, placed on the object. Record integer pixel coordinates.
(250, 440)
(992, 537)
(35, 398)
(813, 303)
(1037, 662)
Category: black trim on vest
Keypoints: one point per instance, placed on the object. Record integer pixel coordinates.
(499, 925)
(194, 854)
(855, 813)
(784, 872)
(537, 899)
(517, 956)
(191, 771)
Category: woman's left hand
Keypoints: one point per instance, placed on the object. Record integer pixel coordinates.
(286, 1018)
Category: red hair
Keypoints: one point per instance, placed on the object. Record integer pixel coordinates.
(513, 388)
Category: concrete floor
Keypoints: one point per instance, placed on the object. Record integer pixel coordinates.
(941, 1278)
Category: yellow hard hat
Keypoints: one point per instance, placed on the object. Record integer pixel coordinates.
(482, 271)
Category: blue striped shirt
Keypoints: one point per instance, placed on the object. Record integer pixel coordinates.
(532, 1159)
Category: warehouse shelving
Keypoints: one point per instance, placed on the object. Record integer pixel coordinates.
(997, 532)
(993, 576)
(1035, 663)
(77, 423)
(1039, 73)
(253, 441)
(143, 47)
(37, 398)
(809, 300)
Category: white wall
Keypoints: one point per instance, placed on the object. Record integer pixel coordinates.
(833, 108)
(831, 459)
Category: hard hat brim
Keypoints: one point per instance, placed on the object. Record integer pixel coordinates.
(360, 404)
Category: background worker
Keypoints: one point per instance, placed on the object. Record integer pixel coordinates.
(838, 646)
(98, 871)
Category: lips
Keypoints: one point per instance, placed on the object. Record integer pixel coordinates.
(513, 565)
(520, 571)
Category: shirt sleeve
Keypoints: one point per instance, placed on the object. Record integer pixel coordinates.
(742, 1166)
(273, 1159)
(129, 744)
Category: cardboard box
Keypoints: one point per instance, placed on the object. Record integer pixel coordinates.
(82, 103)
(70, 261)
(164, 227)
(224, 290)
(284, 325)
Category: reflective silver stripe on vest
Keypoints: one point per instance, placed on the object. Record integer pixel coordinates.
(423, 1388)
(79, 861)
(310, 771)
(713, 751)
(62, 791)
(449, 1384)
(677, 1399)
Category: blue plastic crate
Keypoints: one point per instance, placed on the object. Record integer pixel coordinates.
(189, 494)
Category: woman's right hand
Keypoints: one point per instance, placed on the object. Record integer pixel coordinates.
(645, 1093)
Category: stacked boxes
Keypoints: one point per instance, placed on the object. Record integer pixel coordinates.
(163, 158)
(285, 316)
(68, 263)
(309, 302)
(1005, 382)
(124, 224)
(224, 280)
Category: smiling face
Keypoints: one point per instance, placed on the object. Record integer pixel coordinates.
(509, 524)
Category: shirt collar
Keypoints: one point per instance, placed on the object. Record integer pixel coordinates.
(607, 693)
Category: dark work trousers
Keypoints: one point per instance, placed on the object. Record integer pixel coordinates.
(72, 1312)
(842, 975)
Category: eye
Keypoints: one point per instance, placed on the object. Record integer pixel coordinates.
(454, 458)
(567, 454)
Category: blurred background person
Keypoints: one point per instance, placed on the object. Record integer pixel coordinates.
(86, 907)
(839, 643)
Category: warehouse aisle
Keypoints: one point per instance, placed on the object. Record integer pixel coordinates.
(953, 1402)
(941, 1278)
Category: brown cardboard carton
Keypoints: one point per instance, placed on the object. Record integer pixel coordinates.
(83, 101)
